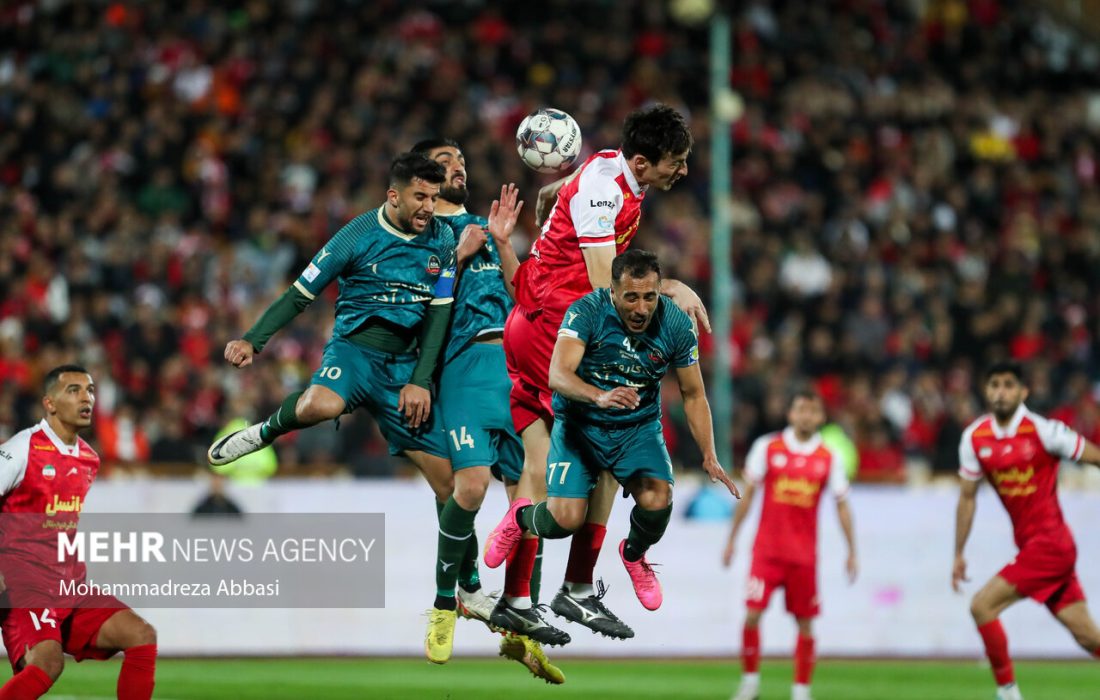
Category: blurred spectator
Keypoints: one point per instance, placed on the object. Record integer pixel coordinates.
(216, 502)
(916, 192)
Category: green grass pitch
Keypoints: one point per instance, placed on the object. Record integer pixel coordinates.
(488, 679)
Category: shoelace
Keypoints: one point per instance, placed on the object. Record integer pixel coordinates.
(648, 582)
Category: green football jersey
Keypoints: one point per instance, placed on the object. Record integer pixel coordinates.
(615, 357)
(382, 272)
(481, 300)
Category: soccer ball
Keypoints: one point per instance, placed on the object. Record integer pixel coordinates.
(548, 140)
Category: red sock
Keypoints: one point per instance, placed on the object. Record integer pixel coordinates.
(584, 551)
(996, 648)
(750, 649)
(29, 684)
(517, 573)
(804, 659)
(135, 680)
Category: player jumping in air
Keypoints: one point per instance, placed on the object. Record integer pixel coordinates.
(473, 404)
(40, 468)
(614, 347)
(793, 467)
(595, 214)
(1018, 452)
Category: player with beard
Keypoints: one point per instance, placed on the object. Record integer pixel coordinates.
(1018, 452)
(613, 349)
(473, 406)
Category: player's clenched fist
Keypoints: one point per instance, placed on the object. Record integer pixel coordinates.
(239, 353)
(619, 397)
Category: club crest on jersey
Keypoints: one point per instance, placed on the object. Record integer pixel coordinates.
(779, 459)
(985, 452)
(434, 265)
(656, 357)
(49, 472)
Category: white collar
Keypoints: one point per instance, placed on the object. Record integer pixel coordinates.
(1013, 425)
(790, 439)
(62, 447)
(631, 181)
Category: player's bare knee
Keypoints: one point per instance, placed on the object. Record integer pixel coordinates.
(752, 618)
(567, 514)
(143, 634)
(314, 407)
(47, 657)
(470, 490)
(980, 609)
(653, 494)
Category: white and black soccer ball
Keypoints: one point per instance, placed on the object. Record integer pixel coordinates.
(548, 140)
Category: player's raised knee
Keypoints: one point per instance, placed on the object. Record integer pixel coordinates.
(570, 513)
(318, 404)
(143, 633)
(48, 657)
(654, 494)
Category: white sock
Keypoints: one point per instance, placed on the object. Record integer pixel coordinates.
(750, 681)
(1009, 691)
(580, 590)
(800, 691)
(519, 602)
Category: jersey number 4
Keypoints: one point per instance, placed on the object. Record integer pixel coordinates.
(462, 438)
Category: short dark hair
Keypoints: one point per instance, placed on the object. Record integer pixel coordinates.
(636, 263)
(1005, 367)
(655, 132)
(426, 146)
(49, 382)
(411, 165)
(802, 392)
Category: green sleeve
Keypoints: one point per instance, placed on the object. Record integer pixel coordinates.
(433, 335)
(280, 313)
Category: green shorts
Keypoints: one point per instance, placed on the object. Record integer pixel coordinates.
(473, 405)
(373, 379)
(579, 452)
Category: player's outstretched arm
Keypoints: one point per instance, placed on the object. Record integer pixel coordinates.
(503, 215)
(964, 520)
(740, 512)
(686, 298)
(697, 409)
(564, 380)
(844, 514)
(293, 301)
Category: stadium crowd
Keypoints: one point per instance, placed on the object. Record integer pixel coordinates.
(916, 192)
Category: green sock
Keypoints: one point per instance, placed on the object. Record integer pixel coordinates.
(646, 529)
(536, 576)
(468, 575)
(456, 526)
(282, 421)
(537, 520)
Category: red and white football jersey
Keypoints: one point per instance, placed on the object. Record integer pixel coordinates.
(47, 481)
(599, 207)
(1021, 461)
(792, 475)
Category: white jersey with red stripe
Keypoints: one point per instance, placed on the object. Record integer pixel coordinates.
(1021, 461)
(601, 206)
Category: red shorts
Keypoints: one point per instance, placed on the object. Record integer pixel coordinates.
(529, 338)
(799, 582)
(75, 628)
(1045, 571)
